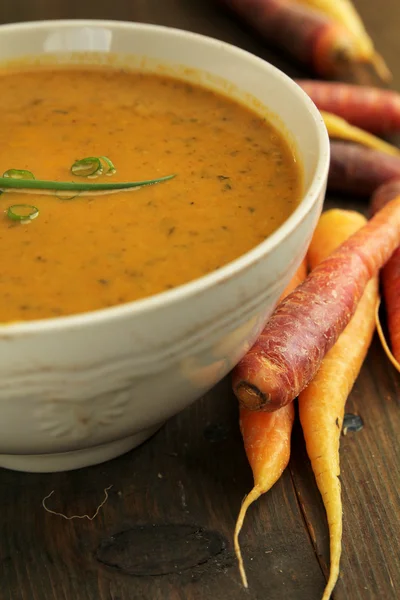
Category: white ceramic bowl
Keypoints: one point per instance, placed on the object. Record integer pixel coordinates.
(80, 390)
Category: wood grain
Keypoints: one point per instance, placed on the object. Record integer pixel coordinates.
(370, 474)
(193, 473)
(166, 530)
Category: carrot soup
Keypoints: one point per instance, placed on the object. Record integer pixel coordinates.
(235, 181)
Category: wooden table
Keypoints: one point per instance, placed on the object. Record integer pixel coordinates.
(176, 497)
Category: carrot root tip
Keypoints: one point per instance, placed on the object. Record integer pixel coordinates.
(382, 338)
(381, 68)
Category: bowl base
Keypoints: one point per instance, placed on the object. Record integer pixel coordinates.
(77, 459)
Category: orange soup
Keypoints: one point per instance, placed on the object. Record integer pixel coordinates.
(236, 182)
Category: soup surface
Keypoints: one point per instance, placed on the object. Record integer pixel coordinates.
(236, 182)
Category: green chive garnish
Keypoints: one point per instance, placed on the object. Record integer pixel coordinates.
(111, 169)
(22, 212)
(93, 166)
(18, 174)
(87, 167)
(38, 186)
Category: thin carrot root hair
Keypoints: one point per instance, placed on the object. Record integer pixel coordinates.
(336, 531)
(383, 340)
(90, 518)
(251, 497)
(390, 280)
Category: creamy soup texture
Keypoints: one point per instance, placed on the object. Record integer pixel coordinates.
(236, 182)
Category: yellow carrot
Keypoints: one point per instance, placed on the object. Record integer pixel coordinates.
(344, 12)
(322, 402)
(338, 128)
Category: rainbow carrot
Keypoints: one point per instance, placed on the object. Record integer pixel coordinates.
(322, 402)
(305, 326)
(359, 170)
(310, 37)
(370, 108)
(343, 12)
(384, 194)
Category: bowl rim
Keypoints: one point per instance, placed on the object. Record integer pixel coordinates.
(226, 272)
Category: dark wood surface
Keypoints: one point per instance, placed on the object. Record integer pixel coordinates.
(166, 530)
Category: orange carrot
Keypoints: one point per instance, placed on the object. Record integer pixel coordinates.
(266, 438)
(344, 12)
(322, 402)
(309, 36)
(360, 170)
(390, 277)
(305, 326)
(297, 278)
(373, 109)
